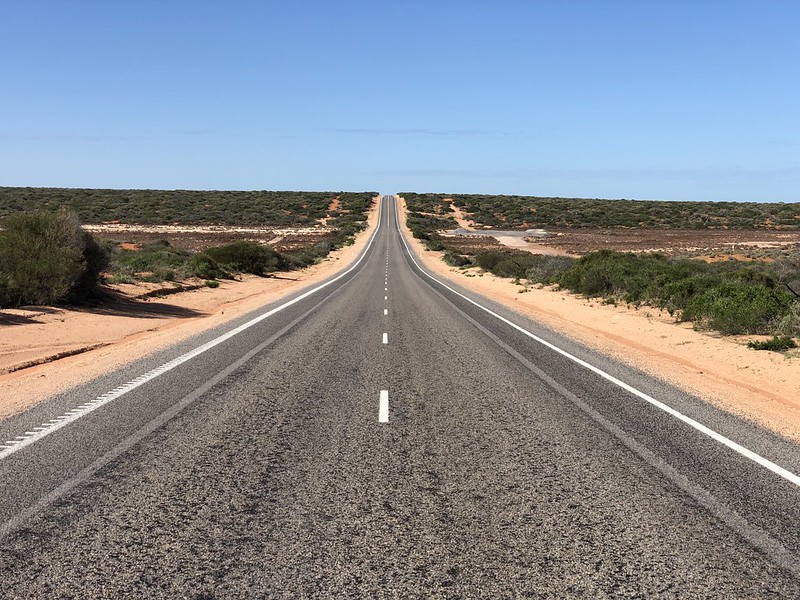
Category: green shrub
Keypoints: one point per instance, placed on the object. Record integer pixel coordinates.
(155, 261)
(47, 258)
(789, 323)
(488, 259)
(775, 344)
(97, 260)
(724, 297)
(547, 268)
(205, 267)
(245, 257)
(734, 307)
(434, 244)
(455, 259)
(522, 265)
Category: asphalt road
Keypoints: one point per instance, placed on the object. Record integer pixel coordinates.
(384, 436)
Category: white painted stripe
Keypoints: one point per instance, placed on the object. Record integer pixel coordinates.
(383, 407)
(73, 415)
(386, 297)
(746, 452)
(385, 338)
(385, 311)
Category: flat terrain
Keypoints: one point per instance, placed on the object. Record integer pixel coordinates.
(272, 463)
(740, 243)
(199, 237)
(751, 243)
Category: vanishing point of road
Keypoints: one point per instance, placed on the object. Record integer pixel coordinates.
(387, 434)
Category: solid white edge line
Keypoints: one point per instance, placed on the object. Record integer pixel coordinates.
(383, 407)
(73, 415)
(746, 452)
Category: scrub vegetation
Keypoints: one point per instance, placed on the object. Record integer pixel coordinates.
(731, 297)
(185, 207)
(46, 257)
(522, 212)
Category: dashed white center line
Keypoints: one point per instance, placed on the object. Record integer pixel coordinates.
(386, 297)
(385, 338)
(385, 311)
(383, 408)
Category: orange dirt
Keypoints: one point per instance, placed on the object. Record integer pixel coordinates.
(334, 205)
(460, 216)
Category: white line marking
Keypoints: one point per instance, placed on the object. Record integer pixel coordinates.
(54, 425)
(746, 452)
(385, 338)
(385, 311)
(383, 408)
(386, 297)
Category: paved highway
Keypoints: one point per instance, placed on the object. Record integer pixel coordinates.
(386, 435)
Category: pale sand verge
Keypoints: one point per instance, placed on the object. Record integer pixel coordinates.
(761, 386)
(117, 337)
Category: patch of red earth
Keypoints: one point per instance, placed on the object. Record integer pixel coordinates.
(460, 216)
(332, 207)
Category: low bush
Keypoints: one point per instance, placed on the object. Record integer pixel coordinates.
(789, 323)
(522, 265)
(47, 258)
(727, 298)
(307, 256)
(156, 261)
(547, 268)
(205, 267)
(434, 243)
(775, 344)
(455, 259)
(734, 307)
(244, 257)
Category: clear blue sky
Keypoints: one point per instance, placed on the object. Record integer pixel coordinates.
(672, 99)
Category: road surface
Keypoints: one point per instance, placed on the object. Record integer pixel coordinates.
(386, 435)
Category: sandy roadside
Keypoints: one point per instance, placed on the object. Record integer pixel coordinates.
(100, 341)
(761, 386)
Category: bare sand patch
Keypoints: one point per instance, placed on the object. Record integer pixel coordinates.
(763, 387)
(47, 350)
(459, 215)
